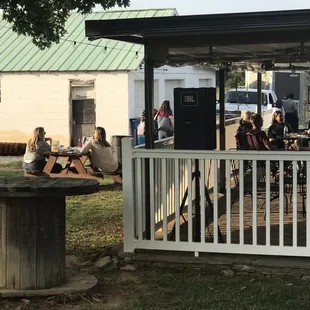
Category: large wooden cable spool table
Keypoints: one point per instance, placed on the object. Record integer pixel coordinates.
(32, 219)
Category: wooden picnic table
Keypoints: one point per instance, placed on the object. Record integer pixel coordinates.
(32, 217)
(78, 161)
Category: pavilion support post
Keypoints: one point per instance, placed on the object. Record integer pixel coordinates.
(259, 93)
(149, 132)
(222, 127)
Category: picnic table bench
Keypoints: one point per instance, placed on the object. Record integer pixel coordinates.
(32, 217)
(74, 167)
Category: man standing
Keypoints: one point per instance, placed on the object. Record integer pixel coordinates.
(291, 113)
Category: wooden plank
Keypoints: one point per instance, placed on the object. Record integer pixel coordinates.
(79, 166)
(28, 251)
(117, 179)
(44, 245)
(59, 229)
(30, 186)
(13, 242)
(83, 159)
(76, 176)
(50, 163)
(3, 244)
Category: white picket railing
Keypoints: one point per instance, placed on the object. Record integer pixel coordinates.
(235, 222)
(167, 143)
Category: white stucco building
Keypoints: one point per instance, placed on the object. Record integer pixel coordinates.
(76, 84)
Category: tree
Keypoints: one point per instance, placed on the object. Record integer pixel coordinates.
(235, 79)
(44, 20)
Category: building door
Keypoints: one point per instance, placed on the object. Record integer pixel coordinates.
(84, 119)
(170, 85)
(83, 111)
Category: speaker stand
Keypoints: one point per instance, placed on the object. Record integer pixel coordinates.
(196, 175)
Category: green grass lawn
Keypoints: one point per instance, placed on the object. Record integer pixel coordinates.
(195, 290)
(95, 221)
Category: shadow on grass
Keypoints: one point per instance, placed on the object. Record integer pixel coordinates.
(110, 187)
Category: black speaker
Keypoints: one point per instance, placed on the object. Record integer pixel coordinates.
(195, 118)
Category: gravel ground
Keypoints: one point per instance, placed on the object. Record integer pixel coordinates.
(9, 159)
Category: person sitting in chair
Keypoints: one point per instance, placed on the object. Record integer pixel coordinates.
(37, 150)
(275, 131)
(257, 138)
(102, 155)
(244, 127)
(245, 123)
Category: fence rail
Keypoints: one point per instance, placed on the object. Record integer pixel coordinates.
(265, 212)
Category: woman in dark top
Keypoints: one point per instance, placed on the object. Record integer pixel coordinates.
(275, 131)
(261, 141)
(245, 124)
(244, 127)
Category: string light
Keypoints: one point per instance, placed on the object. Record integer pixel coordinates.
(76, 43)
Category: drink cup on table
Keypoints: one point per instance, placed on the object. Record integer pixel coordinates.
(55, 146)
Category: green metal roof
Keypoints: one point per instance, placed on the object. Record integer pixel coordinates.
(74, 52)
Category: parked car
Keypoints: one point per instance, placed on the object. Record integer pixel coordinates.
(243, 99)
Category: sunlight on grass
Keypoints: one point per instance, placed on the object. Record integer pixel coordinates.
(93, 221)
(11, 169)
(185, 289)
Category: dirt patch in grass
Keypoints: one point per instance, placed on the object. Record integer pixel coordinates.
(179, 289)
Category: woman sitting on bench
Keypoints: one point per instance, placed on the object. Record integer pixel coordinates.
(102, 156)
(37, 150)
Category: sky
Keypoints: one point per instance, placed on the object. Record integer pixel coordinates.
(188, 7)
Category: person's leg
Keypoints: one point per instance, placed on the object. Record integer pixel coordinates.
(34, 167)
(57, 168)
(162, 135)
(120, 170)
(116, 175)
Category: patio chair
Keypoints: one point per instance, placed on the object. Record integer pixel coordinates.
(241, 144)
(274, 169)
(301, 183)
(274, 187)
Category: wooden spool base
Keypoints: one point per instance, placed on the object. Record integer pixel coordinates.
(32, 243)
(74, 284)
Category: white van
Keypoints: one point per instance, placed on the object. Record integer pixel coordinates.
(246, 100)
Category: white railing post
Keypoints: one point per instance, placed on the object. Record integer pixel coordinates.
(128, 194)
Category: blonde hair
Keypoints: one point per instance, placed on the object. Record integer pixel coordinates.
(246, 117)
(38, 135)
(274, 116)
